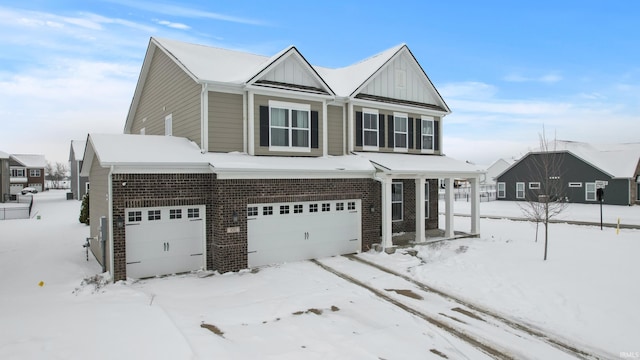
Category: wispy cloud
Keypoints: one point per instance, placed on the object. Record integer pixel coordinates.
(183, 11)
(547, 78)
(173, 25)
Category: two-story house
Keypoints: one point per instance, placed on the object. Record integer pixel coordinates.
(26, 170)
(79, 184)
(232, 160)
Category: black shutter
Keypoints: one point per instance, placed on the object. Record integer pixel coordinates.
(381, 130)
(410, 134)
(418, 134)
(314, 129)
(264, 126)
(390, 131)
(436, 135)
(358, 128)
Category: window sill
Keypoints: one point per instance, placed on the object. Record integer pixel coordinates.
(395, 149)
(289, 149)
(370, 148)
(427, 151)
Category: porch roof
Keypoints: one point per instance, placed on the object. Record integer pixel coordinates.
(419, 165)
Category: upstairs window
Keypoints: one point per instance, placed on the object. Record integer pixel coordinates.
(289, 126)
(18, 172)
(427, 133)
(370, 128)
(34, 172)
(400, 131)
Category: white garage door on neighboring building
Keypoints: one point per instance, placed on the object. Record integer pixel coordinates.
(294, 231)
(15, 188)
(36, 186)
(164, 240)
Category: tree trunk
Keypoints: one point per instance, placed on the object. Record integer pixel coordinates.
(546, 229)
(537, 225)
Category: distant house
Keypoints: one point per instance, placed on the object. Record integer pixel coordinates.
(26, 170)
(496, 169)
(4, 177)
(79, 184)
(584, 168)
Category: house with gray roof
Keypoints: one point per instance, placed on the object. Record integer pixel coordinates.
(26, 170)
(583, 168)
(232, 160)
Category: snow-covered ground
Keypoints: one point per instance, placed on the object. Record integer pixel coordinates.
(587, 292)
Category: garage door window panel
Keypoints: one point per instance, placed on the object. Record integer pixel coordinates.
(175, 214)
(252, 211)
(340, 206)
(298, 208)
(153, 215)
(267, 210)
(135, 216)
(193, 213)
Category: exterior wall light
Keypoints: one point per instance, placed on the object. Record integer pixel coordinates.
(234, 217)
(119, 222)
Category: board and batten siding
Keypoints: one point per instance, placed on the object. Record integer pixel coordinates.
(168, 90)
(98, 206)
(261, 100)
(412, 136)
(225, 122)
(335, 130)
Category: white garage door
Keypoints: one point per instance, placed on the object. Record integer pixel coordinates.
(164, 240)
(15, 188)
(296, 231)
(36, 186)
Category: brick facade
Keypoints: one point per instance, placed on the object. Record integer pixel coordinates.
(228, 251)
(408, 223)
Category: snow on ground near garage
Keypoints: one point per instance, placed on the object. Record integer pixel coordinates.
(587, 291)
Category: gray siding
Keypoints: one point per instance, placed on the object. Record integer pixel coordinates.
(572, 170)
(225, 122)
(98, 205)
(168, 90)
(387, 148)
(335, 130)
(261, 100)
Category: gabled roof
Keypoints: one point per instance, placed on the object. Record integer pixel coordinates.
(77, 150)
(616, 160)
(4, 155)
(30, 160)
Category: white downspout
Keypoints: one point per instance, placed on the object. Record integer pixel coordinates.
(325, 141)
(244, 121)
(250, 124)
(344, 130)
(350, 127)
(204, 118)
(77, 177)
(110, 215)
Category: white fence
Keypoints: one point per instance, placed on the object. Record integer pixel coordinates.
(19, 209)
(463, 193)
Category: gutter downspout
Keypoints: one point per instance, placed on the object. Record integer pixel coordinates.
(204, 118)
(110, 214)
(77, 178)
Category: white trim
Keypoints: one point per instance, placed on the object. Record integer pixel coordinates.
(290, 107)
(351, 125)
(110, 222)
(586, 191)
(534, 185)
(426, 200)
(244, 122)
(432, 119)
(251, 123)
(405, 116)
(575, 184)
(259, 90)
(325, 140)
(523, 191)
(298, 174)
(168, 125)
(504, 190)
(401, 201)
(377, 130)
(204, 118)
(344, 130)
(398, 107)
(143, 131)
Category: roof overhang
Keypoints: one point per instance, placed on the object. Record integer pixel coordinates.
(421, 166)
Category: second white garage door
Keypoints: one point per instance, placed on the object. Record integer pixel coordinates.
(284, 232)
(164, 240)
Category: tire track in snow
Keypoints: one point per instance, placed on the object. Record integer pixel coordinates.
(552, 340)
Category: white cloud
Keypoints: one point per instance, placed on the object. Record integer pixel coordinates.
(467, 90)
(173, 24)
(547, 78)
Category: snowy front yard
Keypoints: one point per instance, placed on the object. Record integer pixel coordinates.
(587, 292)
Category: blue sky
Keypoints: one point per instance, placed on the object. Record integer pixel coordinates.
(506, 68)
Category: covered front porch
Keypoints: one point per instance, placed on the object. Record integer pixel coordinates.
(394, 168)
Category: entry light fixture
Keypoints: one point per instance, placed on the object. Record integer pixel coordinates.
(373, 209)
(234, 217)
(119, 222)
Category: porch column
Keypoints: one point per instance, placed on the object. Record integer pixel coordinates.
(475, 205)
(420, 232)
(448, 208)
(386, 213)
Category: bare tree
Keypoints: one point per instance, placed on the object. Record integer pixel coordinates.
(545, 167)
(56, 173)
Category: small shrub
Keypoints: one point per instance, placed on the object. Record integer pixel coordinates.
(84, 210)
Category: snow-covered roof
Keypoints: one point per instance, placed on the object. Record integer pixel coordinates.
(78, 149)
(30, 160)
(236, 163)
(4, 155)
(617, 160)
(140, 153)
(431, 165)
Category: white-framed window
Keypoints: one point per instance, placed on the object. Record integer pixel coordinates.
(18, 172)
(168, 125)
(400, 132)
(502, 190)
(252, 211)
(575, 184)
(519, 190)
(135, 216)
(153, 215)
(534, 185)
(313, 208)
(284, 209)
(34, 172)
(298, 209)
(289, 126)
(590, 191)
(370, 129)
(426, 200)
(396, 201)
(351, 205)
(267, 210)
(427, 134)
(193, 213)
(326, 207)
(339, 206)
(175, 213)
